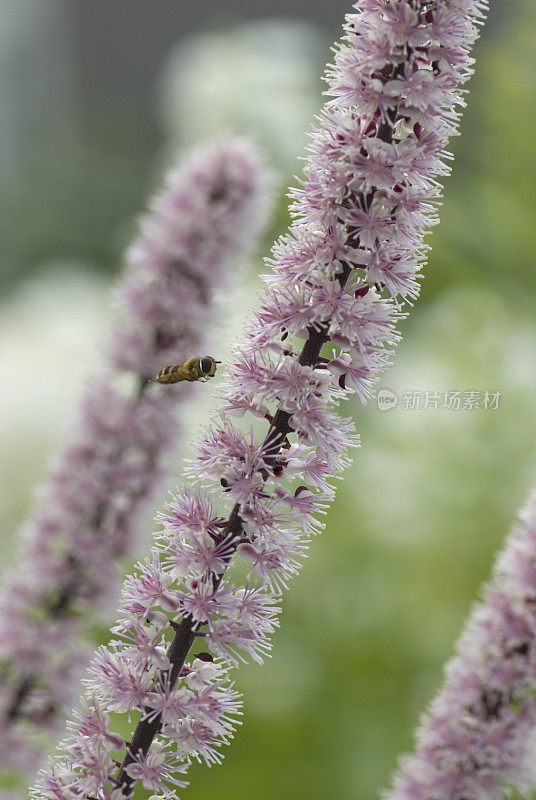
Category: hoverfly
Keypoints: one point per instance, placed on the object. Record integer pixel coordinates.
(195, 369)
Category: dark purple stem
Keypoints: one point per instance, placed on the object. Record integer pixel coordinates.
(280, 427)
(185, 632)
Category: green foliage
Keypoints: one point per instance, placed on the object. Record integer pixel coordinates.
(487, 232)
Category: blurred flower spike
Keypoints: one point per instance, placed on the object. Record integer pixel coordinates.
(89, 515)
(477, 737)
(340, 275)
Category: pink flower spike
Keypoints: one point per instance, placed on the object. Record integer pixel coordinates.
(156, 769)
(361, 215)
(89, 516)
(477, 737)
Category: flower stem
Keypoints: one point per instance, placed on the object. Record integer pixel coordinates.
(184, 637)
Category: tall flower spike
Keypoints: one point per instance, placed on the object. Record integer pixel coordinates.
(340, 275)
(89, 514)
(477, 738)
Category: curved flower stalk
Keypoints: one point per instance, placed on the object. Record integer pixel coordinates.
(476, 740)
(339, 276)
(88, 516)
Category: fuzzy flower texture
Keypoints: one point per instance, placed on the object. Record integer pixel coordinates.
(89, 514)
(476, 740)
(339, 276)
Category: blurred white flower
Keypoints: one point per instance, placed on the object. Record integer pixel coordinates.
(259, 79)
(48, 329)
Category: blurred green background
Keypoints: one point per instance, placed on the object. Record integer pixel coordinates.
(380, 601)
